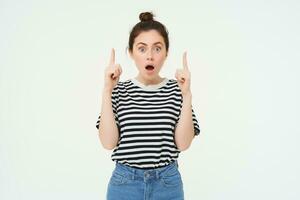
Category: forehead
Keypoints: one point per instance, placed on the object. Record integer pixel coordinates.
(149, 37)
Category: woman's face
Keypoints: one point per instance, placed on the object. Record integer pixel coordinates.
(149, 53)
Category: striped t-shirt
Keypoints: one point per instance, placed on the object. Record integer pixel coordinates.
(146, 118)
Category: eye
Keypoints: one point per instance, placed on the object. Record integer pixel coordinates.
(157, 49)
(142, 49)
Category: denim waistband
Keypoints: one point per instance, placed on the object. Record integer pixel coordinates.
(136, 173)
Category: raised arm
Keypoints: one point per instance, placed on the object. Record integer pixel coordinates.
(108, 130)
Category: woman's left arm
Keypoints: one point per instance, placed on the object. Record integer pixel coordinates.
(184, 131)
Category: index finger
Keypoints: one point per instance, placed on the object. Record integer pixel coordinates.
(185, 65)
(112, 57)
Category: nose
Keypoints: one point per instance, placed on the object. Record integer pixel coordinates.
(149, 55)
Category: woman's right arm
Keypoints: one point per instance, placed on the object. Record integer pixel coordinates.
(108, 130)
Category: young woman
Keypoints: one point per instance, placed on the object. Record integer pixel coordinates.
(148, 120)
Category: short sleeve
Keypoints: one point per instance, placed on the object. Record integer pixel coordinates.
(114, 101)
(196, 124)
(98, 122)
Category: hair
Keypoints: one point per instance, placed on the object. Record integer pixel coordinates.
(147, 23)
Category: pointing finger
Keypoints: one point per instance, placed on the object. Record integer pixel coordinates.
(112, 57)
(185, 66)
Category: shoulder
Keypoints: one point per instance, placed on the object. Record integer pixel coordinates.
(173, 83)
(122, 85)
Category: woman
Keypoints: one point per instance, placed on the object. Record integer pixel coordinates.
(148, 120)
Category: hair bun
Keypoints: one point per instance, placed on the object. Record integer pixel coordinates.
(146, 16)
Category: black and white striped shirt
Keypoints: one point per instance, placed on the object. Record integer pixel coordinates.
(146, 117)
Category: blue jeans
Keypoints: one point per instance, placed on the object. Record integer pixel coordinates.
(127, 183)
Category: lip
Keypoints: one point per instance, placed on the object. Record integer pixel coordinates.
(149, 71)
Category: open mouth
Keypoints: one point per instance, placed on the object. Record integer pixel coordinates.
(149, 67)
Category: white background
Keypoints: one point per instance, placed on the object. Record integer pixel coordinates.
(244, 59)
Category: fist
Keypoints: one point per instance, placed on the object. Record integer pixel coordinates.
(112, 72)
(183, 76)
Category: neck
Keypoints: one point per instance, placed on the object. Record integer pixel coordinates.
(152, 81)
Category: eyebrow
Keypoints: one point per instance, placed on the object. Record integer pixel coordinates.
(146, 44)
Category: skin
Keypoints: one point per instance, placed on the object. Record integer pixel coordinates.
(148, 48)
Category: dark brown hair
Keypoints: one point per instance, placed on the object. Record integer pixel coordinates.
(147, 23)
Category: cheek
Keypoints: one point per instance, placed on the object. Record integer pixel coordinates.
(139, 60)
(162, 59)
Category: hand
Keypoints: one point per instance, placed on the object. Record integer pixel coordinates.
(183, 77)
(112, 73)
